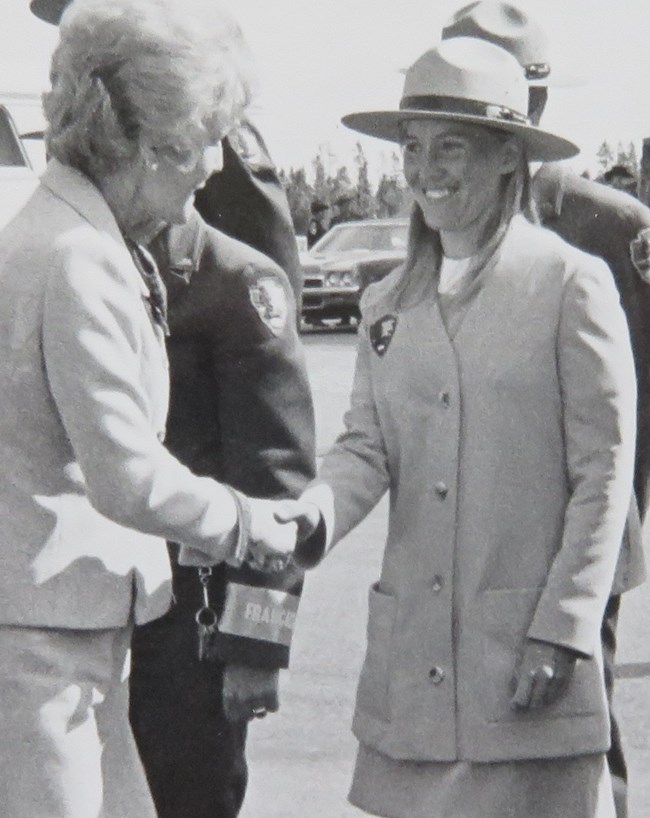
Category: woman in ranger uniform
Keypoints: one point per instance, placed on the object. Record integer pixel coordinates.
(494, 398)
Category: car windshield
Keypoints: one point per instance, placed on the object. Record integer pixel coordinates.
(350, 237)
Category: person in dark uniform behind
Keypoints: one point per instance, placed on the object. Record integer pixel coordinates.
(246, 200)
(240, 407)
(319, 223)
(603, 222)
(620, 178)
(345, 211)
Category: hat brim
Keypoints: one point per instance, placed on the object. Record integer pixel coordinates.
(541, 146)
(49, 10)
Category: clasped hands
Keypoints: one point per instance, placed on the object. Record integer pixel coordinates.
(276, 527)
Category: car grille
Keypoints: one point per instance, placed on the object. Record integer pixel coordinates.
(312, 281)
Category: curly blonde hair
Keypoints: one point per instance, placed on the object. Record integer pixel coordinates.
(163, 73)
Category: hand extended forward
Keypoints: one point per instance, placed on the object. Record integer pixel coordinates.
(271, 538)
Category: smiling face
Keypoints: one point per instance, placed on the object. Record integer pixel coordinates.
(456, 171)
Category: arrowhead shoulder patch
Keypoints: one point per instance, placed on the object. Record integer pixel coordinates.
(270, 301)
(381, 333)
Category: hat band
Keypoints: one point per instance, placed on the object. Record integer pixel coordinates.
(468, 107)
(537, 70)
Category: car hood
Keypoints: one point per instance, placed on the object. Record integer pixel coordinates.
(355, 257)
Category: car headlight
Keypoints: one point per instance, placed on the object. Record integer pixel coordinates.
(342, 278)
(350, 278)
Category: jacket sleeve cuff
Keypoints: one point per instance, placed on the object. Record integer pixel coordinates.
(240, 547)
(311, 551)
(238, 538)
(563, 627)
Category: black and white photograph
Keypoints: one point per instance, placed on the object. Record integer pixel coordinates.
(324, 409)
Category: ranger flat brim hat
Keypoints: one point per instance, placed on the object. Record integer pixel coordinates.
(512, 28)
(469, 80)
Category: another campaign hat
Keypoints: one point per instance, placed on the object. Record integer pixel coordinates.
(469, 80)
(512, 28)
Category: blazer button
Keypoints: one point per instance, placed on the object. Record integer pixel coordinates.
(437, 675)
(437, 583)
(445, 399)
(441, 489)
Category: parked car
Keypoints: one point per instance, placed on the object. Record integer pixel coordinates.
(17, 177)
(301, 241)
(344, 261)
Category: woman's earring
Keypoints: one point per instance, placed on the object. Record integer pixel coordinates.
(150, 158)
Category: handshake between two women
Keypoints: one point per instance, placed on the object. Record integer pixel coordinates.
(280, 531)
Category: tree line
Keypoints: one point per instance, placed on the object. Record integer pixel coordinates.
(388, 199)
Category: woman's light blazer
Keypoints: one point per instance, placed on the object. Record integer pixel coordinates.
(508, 451)
(88, 493)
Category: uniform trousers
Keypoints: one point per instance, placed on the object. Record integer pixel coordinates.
(193, 756)
(67, 750)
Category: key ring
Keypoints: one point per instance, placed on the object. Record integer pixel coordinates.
(206, 617)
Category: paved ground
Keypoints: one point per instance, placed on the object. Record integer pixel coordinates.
(301, 758)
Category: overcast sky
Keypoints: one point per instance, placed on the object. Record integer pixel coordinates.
(320, 59)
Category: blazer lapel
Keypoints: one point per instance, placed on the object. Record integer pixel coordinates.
(81, 194)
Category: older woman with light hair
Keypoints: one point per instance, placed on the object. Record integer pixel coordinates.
(142, 92)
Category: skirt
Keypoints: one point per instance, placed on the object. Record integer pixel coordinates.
(572, 787)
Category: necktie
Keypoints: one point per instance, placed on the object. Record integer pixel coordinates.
(157, 293)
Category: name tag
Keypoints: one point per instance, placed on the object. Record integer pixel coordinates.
(259, 613)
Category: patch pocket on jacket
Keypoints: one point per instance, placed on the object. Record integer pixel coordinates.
(503, 619)
(373, 692)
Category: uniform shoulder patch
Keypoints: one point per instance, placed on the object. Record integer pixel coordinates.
(268, 297)
(381, 333)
